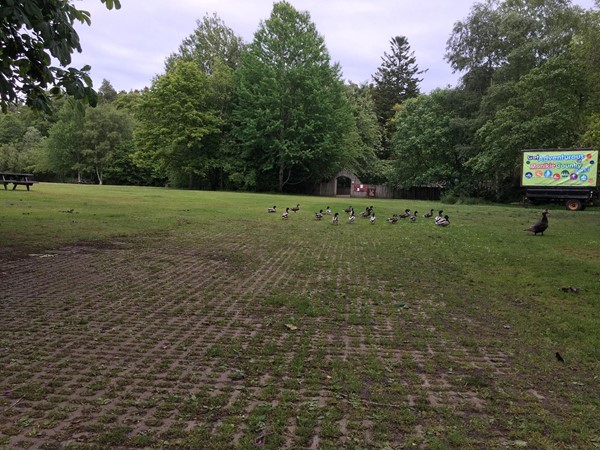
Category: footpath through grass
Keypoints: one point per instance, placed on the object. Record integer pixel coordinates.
(155, 318)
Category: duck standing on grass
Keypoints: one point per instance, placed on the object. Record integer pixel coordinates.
(319, 215)
(439, 215)
(541, 225)
(272, 210)
(429, 214)
(327, 211)
(348, 209)
(335, 219)
(413, 218)
(405, 214)
(286, 214)
(296, 208)
(372, 219)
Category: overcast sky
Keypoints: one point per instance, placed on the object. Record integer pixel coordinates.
(128, 47)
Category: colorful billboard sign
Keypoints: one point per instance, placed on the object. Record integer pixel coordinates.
(560, 168)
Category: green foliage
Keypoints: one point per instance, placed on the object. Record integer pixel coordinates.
(367, 166)
(107, 92)
(83, 144)
(425, 148)
(506, 39)
(104, 129)
(530, 67)
(544, 111)
(33, 32)
(179, 122)
(292, 121)
(63, 147)
(211, 43)
(395, 81)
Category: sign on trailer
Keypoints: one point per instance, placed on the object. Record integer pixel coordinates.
(560, 168)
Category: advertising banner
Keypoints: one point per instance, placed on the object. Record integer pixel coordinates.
(560, 168)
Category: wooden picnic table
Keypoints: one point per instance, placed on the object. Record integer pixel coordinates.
(25, 179)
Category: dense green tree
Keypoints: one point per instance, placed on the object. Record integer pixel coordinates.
(216, 50)
(587, 58)
(104, 129)
(506, 39)
(396, 80)
(367, 166)
(502, 49)
(21, 156)
(12, 127)
(292, 123)
(179, 124)
(107, 92)
(32, 33)
(427, 145)
(211, 42)
(545, 111)
(63, 155)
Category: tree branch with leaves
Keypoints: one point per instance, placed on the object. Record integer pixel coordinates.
(32, 32)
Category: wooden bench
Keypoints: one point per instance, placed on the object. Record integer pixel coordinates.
(24, 179)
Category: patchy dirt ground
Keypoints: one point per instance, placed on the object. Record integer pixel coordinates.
(160, 345)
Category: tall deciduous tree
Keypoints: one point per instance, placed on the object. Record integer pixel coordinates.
(178, 123)
(292, 120)
(63, 154)
(506, 39)
(427, 143)
(104, 129)
(216, 50)
(545, 111)
(368, 166)
(396, 80)
(212, 41)
(32, 32)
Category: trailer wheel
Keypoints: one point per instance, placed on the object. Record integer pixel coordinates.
(574, 205)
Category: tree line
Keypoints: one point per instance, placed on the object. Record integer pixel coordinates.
(275, 115)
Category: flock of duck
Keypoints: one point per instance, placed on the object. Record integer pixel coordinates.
(440, 220)
(369, 213)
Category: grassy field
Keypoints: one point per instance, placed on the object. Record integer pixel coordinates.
(156, 318)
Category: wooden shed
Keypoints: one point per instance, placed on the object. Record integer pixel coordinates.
(347, 184)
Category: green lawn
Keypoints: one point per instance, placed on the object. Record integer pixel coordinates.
(157, 318)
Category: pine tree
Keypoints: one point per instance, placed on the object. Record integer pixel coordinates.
(395, 81)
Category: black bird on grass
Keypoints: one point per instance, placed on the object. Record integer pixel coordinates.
(541, 225)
